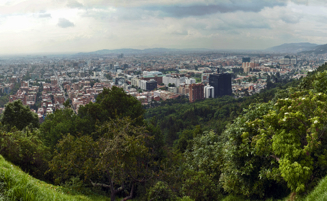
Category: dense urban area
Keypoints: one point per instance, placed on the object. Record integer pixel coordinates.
(44, 83)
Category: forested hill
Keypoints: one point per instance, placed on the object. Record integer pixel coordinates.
(274, 146)
(209, 114)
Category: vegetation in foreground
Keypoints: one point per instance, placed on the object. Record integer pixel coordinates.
(18, 185)
(271, 151)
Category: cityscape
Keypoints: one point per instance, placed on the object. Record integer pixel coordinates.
(44, 83)
(166, 100)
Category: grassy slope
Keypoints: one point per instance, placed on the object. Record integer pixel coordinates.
(18, 185)
(319, 193)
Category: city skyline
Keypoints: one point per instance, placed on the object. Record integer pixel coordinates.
(71, 26)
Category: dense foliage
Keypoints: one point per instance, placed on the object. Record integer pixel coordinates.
(264, 146)
(176, 116)
(19, 116)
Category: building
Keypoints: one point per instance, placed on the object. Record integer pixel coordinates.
(143, 84)
(151, 73)
(190, 81)
(151, 85)
(119, 80)
(196, 92)
(288, 60)
(246, 59)
(222, 84)
(209, 92)
(135, 82)
(205, 78)
(172, 89)
(156, 78)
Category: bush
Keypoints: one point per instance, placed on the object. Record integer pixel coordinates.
(161, 192)
(200, 186)
(25, 149)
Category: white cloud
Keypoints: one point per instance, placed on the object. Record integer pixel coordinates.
(85, 25)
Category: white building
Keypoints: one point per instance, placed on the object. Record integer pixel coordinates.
(177, 81)
(151, 73)
(209, 92)
(143, 84)
(190, 81)
(172, 89)
(135, 82)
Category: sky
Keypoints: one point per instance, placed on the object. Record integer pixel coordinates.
(68, 26)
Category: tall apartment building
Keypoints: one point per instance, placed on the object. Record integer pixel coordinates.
(151, 85)
(246, 59)
(196, 92)
(209, 92)
(288, 60)
(222, 84)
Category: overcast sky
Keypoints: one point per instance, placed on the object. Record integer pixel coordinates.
(36, 26)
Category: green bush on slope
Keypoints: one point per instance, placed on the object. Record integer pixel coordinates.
(319, 193)
(17, 185)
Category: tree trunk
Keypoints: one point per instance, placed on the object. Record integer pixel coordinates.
(130, 195)
(113, 196)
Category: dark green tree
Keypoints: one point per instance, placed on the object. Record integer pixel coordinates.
(19, 116)
(61, 123)
(113, 103)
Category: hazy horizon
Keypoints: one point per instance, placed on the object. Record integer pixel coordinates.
(72, 26)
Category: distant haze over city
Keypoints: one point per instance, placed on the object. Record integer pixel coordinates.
(73, 26)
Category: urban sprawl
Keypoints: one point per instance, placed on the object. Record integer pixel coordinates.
(45, 83)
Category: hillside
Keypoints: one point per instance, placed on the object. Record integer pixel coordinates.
(144, 51)
(320, 49)
(18, 185)
(292, 47)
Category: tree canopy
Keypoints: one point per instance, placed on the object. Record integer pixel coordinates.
(19, 116)
(112, 103)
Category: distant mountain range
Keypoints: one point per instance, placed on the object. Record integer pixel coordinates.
(293, 48)
(320, 49)
(138, 51)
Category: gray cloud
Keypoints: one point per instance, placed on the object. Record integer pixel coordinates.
(179, 32)
(201, 10)
(291, 19)
(301, 2)
(45, 15)
(121, 14)
(64, 23)
(74, 4)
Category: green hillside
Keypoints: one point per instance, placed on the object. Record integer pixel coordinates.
(319, 193)
(18, 185)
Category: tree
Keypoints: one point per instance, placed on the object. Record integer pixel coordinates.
(61, 123)
(294, 136)
(19, 116)
(67, 104)
(203, 161)
(278, 75)
(25, 149)
(243, 170)
(112, 103)
(118, 160)
(161, 192)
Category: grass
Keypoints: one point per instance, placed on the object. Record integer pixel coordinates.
(18, 185)
(319, 193)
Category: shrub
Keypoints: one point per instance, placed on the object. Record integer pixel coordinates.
(161, 192)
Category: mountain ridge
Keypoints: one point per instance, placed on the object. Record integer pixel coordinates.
(147, 50)
(292, 47)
